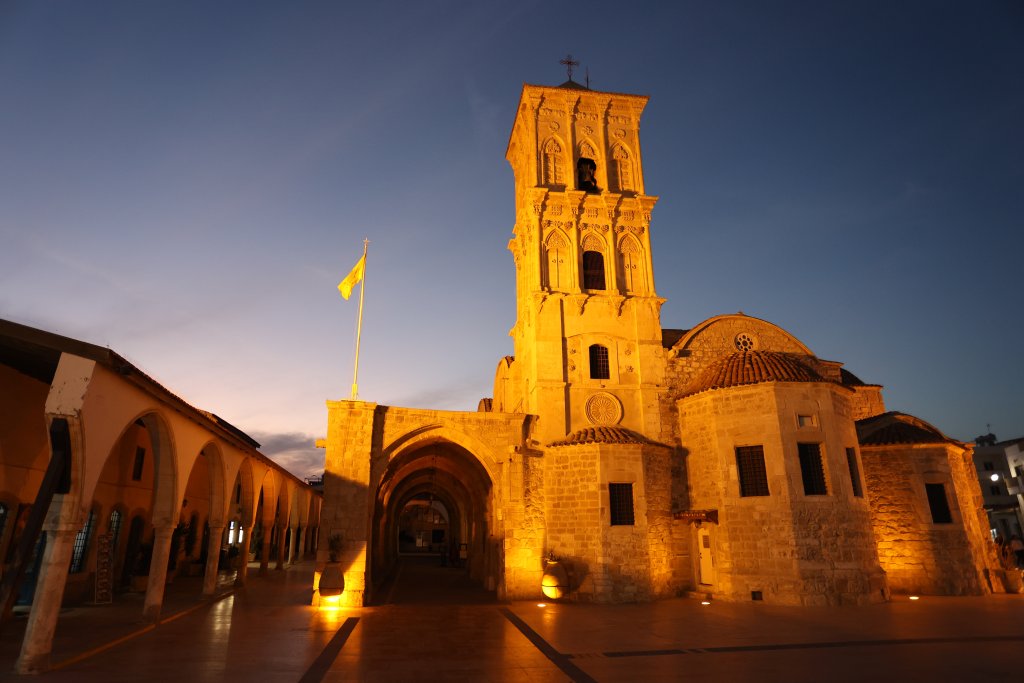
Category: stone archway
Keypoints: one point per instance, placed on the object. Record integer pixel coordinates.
(449, 490)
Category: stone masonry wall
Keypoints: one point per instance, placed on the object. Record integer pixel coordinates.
(660, 544)
(346, 507)
(790, 547)
(867, 401)
(917, 555)
(572, 493)
(625, 574)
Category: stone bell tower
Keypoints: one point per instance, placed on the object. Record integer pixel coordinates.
(588, 332)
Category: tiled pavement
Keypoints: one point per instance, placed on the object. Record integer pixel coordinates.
(440, 630)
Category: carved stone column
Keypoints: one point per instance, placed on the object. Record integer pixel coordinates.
(280, 548)
(243, 568)
(265, 549)
(42, 621)
(158, 573)
(212, 559)
(294, 540)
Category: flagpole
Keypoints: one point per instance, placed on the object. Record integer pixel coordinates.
(359, 325)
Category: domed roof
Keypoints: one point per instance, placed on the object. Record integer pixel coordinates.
(602, 435)
(897, 428)
(752, 367)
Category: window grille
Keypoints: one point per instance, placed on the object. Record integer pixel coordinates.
(599, 362)
(620, 502)
(115, 529)
(938, 503)
(812, 469)
(81, 544)
(593, 270)
(751, 469)
(851, 461)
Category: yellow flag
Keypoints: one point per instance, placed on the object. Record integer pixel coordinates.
(353, 278)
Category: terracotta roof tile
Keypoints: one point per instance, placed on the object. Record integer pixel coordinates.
(602, 435)
(752, 367)
(895, 427)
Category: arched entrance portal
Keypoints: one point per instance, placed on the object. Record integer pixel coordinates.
(433, 510)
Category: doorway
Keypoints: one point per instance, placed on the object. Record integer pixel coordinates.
(707, 559)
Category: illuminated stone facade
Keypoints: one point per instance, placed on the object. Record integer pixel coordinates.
(724, 459)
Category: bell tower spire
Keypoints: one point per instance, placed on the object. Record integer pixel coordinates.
(588, 330)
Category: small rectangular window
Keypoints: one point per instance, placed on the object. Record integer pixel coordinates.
(812, 469)
(805, 420)
(938, 503)
(599, 368)
(140, 460)
(751, 469)
(620, 502)
(851, 461)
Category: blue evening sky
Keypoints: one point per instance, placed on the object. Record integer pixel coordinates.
(186, 182)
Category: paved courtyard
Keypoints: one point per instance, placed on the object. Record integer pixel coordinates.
(436, 628)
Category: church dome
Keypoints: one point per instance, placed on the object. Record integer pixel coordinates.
(897, 428)
(590, 435)
(752, 367)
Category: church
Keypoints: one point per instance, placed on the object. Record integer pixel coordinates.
(620, 460)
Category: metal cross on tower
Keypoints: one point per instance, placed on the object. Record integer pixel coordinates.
(570, 64)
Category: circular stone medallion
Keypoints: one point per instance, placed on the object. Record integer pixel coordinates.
(603, 409)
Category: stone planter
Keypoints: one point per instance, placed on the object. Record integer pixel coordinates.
(555, 582)
(332, 581)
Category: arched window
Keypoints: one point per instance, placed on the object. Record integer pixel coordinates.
(632, 265)
(556, 275)
(586, 175)
(599, 362)
(552, 164)
(622, 169)
(114, 528)
(78, 551)
(593, 270)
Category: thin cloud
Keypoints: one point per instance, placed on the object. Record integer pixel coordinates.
(295, 451)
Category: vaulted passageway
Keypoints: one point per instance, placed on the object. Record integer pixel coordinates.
(431, 528)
